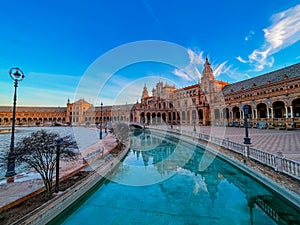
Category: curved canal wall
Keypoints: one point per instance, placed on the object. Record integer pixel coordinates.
(54, 207)
(276, 187)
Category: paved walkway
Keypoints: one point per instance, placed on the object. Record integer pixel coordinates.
(28, 183)
(286, 141)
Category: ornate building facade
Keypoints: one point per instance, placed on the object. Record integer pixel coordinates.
(31, 116)
(185, 106)
(273, 99)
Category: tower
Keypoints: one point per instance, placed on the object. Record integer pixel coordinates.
(207, 78)
(69, 112)
(207, 86)
(145, 93)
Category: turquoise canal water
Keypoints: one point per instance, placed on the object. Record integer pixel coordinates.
(164, 181)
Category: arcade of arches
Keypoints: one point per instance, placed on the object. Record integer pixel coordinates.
(266, 114)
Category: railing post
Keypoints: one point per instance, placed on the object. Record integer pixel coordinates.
(227, 142)
(278, 166)
(246, 150)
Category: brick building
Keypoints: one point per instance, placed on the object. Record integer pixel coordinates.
(273, 99)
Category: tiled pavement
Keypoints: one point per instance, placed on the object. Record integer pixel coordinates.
(269, 140)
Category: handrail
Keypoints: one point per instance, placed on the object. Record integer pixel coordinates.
(276, 161)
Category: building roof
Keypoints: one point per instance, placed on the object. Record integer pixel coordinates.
(187, 87)
(32, 109)
(81, 101)
(268, 78)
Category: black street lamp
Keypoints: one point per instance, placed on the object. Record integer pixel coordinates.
(246, 112)
(58, 142)
(17, 75)
(101, 120)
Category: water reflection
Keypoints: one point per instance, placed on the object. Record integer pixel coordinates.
(169, 157)
(165, 183)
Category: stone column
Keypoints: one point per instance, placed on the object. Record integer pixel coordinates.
(272, 113)
(286, 112)
(268, 113)
(292, 114)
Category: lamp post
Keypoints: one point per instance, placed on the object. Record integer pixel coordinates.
(17, 75)
(101, 120)
(246, 112)
(58, 142)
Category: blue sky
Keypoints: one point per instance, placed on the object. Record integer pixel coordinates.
(100, 50)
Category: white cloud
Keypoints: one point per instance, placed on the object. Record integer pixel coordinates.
(195, 58)
(197, 61)
(191, 71)
(182, 74)
(222, 68)
(241, 60)
(283, 32)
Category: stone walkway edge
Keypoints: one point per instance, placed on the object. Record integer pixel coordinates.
(55, 206)
(13, 193)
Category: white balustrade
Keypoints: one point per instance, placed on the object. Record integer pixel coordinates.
(277, 162)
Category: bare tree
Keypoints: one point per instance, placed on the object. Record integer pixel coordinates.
(38, 151)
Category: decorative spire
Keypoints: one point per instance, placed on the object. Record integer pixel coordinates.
(207, 72)
(206, 60)
(145, 93)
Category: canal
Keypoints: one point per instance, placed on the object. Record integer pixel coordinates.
(164, 180)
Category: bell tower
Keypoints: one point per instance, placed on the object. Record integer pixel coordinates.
(207, 86)
(207, 78)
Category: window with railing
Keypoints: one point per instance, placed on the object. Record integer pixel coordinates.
(193, 101)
